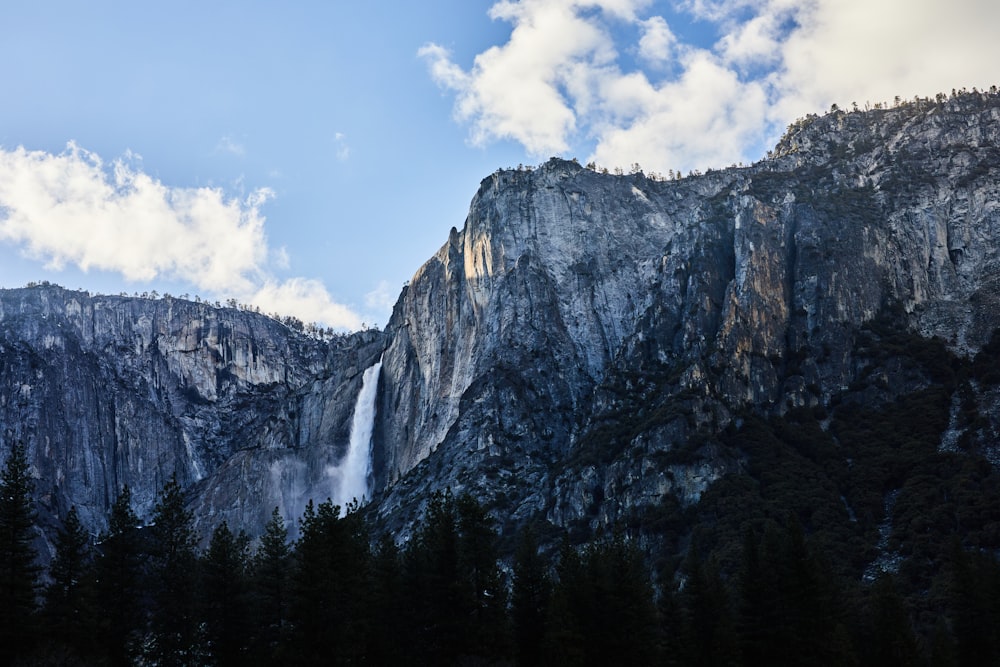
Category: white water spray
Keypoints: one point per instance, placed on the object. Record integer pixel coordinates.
(350, 476)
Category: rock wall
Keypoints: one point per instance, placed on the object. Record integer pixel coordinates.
(573, 302)
(109, 391)
(569, 355)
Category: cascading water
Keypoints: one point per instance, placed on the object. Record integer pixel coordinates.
(350, 476)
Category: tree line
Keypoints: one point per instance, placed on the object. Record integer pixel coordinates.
(147, 594)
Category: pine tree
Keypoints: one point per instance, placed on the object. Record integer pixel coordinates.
(387, 642)
(530, 600)
(709, 626)
(570, 602)
(173, 622)
(118, 571)
(18, 571)
(328, 606)
(68, 614)
(271, 587)
(486, 633)
(434, 592)
(225, 596)
(890, 638)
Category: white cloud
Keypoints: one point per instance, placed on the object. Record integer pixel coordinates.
(856, 50)
(698, 118)
(657, 42)
(73, 209)
(306, 299)
(516, 91)
(557, 84)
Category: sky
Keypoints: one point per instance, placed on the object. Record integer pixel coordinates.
(309, 157)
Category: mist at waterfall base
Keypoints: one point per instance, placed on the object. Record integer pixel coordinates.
(349, 478)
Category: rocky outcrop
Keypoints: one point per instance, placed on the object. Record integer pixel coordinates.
(109, 391)
(570, 356)
(582, 327)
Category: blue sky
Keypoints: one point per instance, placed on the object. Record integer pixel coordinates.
(308, 157)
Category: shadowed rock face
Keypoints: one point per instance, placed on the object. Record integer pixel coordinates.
(108, 391)
(555, 353)
(582, 325)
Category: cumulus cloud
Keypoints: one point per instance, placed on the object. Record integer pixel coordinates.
(305, 298)
(657, 42)
(560, 83)
(525, 90)
(73, 209)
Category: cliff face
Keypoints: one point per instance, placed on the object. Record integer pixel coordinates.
(108, 391)
(583, 326)
(572, 354)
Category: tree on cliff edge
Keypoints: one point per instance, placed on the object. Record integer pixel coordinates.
(18, 571)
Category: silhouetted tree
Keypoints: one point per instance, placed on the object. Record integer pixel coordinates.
(709, 627)
(173, 576)
(225, 596)
(486, 636)
(530, 600)
(602, 607)
(974, 606)
(387, 639)
(889, 639)
(18, 571)
(68, 614)
(271, 587)
(328, 606)
(118, 573)
(455, 600)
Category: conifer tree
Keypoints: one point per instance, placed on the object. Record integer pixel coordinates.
(328, 589)
(434, 590)
(174, 623)
(225, 596)
(890, 639)
(708, 621)
(118, 571)
(68, 614)
(271, 586)
(387, 642)
(564, 631)
(18, 570)
(603, 611)
(486, 635)
(530, 600)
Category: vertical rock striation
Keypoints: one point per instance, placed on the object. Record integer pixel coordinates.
(109, 391)
(570, 354)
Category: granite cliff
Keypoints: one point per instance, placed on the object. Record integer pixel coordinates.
(572, 355)
(106, 391)
(582, 328)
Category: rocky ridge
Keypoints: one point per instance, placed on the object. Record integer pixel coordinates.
(571, 355)
(582, 328)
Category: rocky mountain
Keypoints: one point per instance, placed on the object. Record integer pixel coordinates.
(557, 354)
(106, 391)
(588, 350)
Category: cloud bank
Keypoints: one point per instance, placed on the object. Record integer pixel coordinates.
(622, 80)
(73, 209)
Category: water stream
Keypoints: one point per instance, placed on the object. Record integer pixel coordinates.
(350, 476)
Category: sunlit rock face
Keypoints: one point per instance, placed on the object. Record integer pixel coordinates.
(582, 326)
(570, 355)
(109, 391)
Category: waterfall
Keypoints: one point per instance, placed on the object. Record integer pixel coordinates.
(350, 476)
